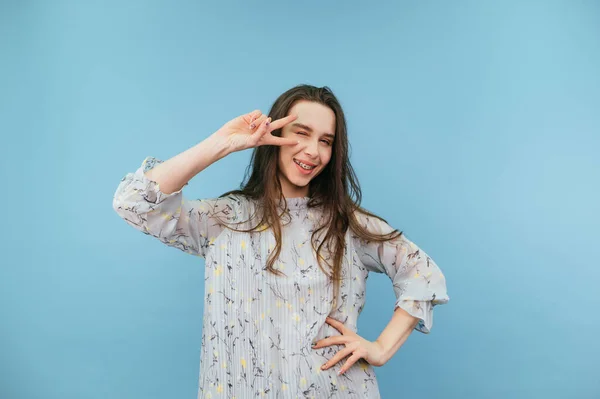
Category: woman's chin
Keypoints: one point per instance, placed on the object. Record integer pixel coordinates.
(300, 183)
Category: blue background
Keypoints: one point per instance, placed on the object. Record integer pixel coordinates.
(475, 129)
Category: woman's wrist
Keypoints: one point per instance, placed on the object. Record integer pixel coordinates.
(218, 146)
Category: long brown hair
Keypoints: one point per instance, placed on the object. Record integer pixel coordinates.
(335, 189)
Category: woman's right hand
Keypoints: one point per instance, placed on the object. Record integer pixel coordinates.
(253, 130)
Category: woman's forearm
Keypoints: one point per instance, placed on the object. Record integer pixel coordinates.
(396, 332)
(176, 172)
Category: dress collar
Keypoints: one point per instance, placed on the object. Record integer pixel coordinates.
(296, 202)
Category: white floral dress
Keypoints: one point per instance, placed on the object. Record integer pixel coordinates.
(258, 327)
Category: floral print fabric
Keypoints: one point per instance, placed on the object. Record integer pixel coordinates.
(258, 327)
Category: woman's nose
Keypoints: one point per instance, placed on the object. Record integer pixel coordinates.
(311, 149)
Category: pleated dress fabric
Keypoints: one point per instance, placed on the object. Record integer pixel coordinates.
(258, 327)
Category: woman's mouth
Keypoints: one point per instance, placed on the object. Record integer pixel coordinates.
(304, 168)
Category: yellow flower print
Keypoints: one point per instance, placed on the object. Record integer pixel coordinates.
(296, 317)
(262, 227)
(243, 244)
(278, 303)
(301, 261)
(219, 270)
(289, 306)
(243, 362)
(284, 387)
(212, 240)
(220, 388)
(417, 275)
(302, 382)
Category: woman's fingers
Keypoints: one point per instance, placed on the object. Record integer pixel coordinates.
(251, 116)
(337, 357)
(274, 140)
(261, 126)
(261, 131)
(338, 325)
(257, 122)
(335, 340)
(266, 138)
(279, 123)
(351, 360)
(255, 118)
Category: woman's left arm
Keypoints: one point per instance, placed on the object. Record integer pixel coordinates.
(395, 333)
(418, 283)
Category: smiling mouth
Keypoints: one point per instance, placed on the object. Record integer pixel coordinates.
(304, 166)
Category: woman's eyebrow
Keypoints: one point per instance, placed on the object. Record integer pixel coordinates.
(310, 129)
(302, 126)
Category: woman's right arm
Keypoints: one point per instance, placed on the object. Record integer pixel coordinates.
(176, 172)
(151, 199)
(245, 131)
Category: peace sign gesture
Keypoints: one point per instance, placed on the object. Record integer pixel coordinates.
(356, 345)
(252, 130)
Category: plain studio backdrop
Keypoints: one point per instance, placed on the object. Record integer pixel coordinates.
(474, 129)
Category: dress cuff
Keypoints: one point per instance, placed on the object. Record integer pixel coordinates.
(150, 187)
(422, 310)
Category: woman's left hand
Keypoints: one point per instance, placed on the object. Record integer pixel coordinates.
(356, 345)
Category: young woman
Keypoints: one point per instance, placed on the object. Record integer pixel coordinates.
(287, 256)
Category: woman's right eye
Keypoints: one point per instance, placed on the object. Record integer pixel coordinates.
(303, 133)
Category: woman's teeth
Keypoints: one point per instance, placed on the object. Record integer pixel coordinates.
(304, 166)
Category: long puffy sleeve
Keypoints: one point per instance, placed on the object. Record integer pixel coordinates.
(189, 225)
(418, 282)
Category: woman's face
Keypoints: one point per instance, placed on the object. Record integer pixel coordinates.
(315, 130)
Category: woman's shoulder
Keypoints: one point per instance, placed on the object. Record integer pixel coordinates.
(234, 207)
(371, 222)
